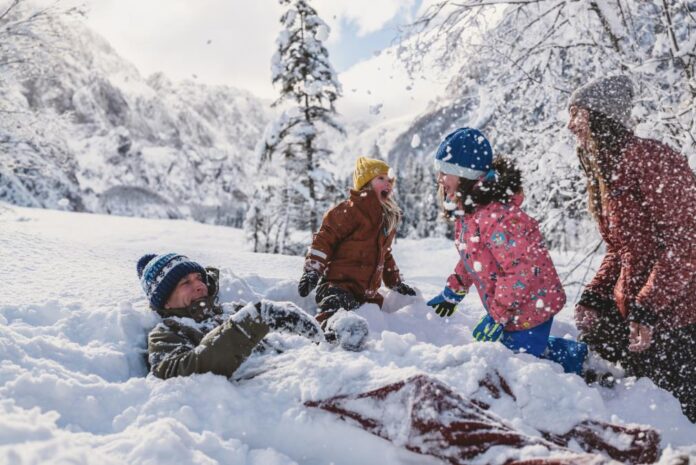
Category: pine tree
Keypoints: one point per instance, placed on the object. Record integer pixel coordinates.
(308, 89)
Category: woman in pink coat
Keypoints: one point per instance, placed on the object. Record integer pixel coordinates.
(501, 249)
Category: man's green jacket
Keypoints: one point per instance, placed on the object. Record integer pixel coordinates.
(198, 339)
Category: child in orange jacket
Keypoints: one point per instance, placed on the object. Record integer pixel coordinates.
(350, 255)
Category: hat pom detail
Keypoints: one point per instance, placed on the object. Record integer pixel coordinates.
(142, 263)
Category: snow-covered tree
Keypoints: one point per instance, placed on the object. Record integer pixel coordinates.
(524, 58)
(290, 149)
(27, 33)
(264, 222)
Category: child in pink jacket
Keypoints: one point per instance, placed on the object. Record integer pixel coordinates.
(501, 250)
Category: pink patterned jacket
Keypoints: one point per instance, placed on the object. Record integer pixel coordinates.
(502, 253)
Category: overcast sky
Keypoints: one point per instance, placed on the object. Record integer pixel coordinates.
(232, 41)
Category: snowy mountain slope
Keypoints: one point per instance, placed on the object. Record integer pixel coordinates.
(73, 324)
(103, 138)
(382, 104)
(186, 143)
(363, 139)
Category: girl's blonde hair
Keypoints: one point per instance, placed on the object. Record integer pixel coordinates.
(391, 212)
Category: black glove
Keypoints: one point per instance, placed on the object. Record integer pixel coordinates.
(308, 281)
(445, 309)
(445, 303)
(404, 289)
(338, 299)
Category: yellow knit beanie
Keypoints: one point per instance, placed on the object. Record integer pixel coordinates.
(366, 169)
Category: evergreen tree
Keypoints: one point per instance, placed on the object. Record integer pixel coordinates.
(290, 150)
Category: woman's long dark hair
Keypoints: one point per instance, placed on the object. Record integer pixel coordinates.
(506, 183)
(608, 138)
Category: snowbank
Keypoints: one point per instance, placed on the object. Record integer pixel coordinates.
(73, 325)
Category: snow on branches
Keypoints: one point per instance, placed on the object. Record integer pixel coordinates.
(520, 60)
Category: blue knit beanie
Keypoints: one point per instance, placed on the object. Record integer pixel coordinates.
(160, 274)
(465, 153)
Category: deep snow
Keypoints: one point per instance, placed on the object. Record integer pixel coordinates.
(73, 323)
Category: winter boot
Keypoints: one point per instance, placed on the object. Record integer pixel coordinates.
(331, 299)
(570, 354)
(347, 330)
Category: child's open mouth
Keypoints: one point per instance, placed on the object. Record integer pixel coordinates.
(385, 193)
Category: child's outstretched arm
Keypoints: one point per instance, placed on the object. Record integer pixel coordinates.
(338, 223)
(458, 284)
(392, 276)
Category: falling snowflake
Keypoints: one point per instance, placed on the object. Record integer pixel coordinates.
(415, 141)
(376, 109)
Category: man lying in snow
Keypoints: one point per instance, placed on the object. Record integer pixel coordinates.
(197, 335)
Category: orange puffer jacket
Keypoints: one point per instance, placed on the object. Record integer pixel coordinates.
(352, 248)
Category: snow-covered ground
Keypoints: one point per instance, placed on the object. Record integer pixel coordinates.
(73, 325)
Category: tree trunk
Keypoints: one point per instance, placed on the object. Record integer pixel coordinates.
(310, 186)
(607, 28)
(309, 152)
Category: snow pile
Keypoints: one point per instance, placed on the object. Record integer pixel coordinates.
(73, 325)
(349, 330)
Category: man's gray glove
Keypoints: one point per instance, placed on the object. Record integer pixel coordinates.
(281, 316)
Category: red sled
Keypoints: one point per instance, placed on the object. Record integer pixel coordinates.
(426, 416)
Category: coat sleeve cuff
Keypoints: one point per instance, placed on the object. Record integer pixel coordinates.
(453, 296)
(641, 315)
(392, 278)
(314, 265)
(594, 300)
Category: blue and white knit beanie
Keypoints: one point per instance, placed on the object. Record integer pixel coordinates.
(465, 153)
(160, 274)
